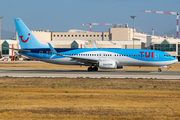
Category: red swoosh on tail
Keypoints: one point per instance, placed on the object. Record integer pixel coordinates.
(24, 41)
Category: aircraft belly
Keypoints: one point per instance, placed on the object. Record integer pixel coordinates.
(126, 61)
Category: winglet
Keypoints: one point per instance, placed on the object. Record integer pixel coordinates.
(94, 45)
(52, 49)
(85, 46)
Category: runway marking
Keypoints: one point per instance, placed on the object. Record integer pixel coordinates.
(84, 74)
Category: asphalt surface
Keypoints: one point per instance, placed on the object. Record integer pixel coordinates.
(85, 73)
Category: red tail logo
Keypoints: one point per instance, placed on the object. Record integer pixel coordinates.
(24, 41)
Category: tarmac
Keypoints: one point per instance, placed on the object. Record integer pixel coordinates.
(86, 74)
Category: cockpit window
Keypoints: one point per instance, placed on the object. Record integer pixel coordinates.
(167, 55)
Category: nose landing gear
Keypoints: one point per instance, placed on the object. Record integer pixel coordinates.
(159, 70)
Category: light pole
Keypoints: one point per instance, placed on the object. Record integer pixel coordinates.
(133, 17)
(0, 26)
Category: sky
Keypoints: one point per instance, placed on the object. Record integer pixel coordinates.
(63, 15)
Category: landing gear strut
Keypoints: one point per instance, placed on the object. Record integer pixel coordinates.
(93, 68)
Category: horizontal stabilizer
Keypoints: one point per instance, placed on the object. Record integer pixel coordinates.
(19, 49)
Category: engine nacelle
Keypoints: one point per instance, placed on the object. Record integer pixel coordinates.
(107, 65)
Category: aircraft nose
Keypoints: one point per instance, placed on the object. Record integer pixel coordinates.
(175, 60)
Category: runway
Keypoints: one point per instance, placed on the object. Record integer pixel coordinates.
(85, 74)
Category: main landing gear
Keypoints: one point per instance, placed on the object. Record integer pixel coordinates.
(159, 70)
(93, 68)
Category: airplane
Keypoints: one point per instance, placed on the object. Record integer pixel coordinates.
(103, 58)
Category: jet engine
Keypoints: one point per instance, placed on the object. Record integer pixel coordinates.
(108, 65)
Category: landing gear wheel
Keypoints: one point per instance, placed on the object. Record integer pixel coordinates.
(95, 68)
(159, 70)
(90, 69)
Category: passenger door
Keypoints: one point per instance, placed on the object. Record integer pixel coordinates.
(156, 56)
(40, 54)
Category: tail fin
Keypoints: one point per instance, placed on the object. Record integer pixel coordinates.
(26, 38)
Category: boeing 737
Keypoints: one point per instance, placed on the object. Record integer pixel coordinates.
(103, 58)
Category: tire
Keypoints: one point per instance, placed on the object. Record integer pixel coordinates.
(95, 68)
(90, 69)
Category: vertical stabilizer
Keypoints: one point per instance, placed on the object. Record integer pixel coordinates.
(26, 38)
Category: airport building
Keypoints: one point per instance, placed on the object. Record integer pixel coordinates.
(114, 34)
(124, 38)
(171, 46)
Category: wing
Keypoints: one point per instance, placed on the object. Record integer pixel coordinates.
(83, 59)
(74, 58)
